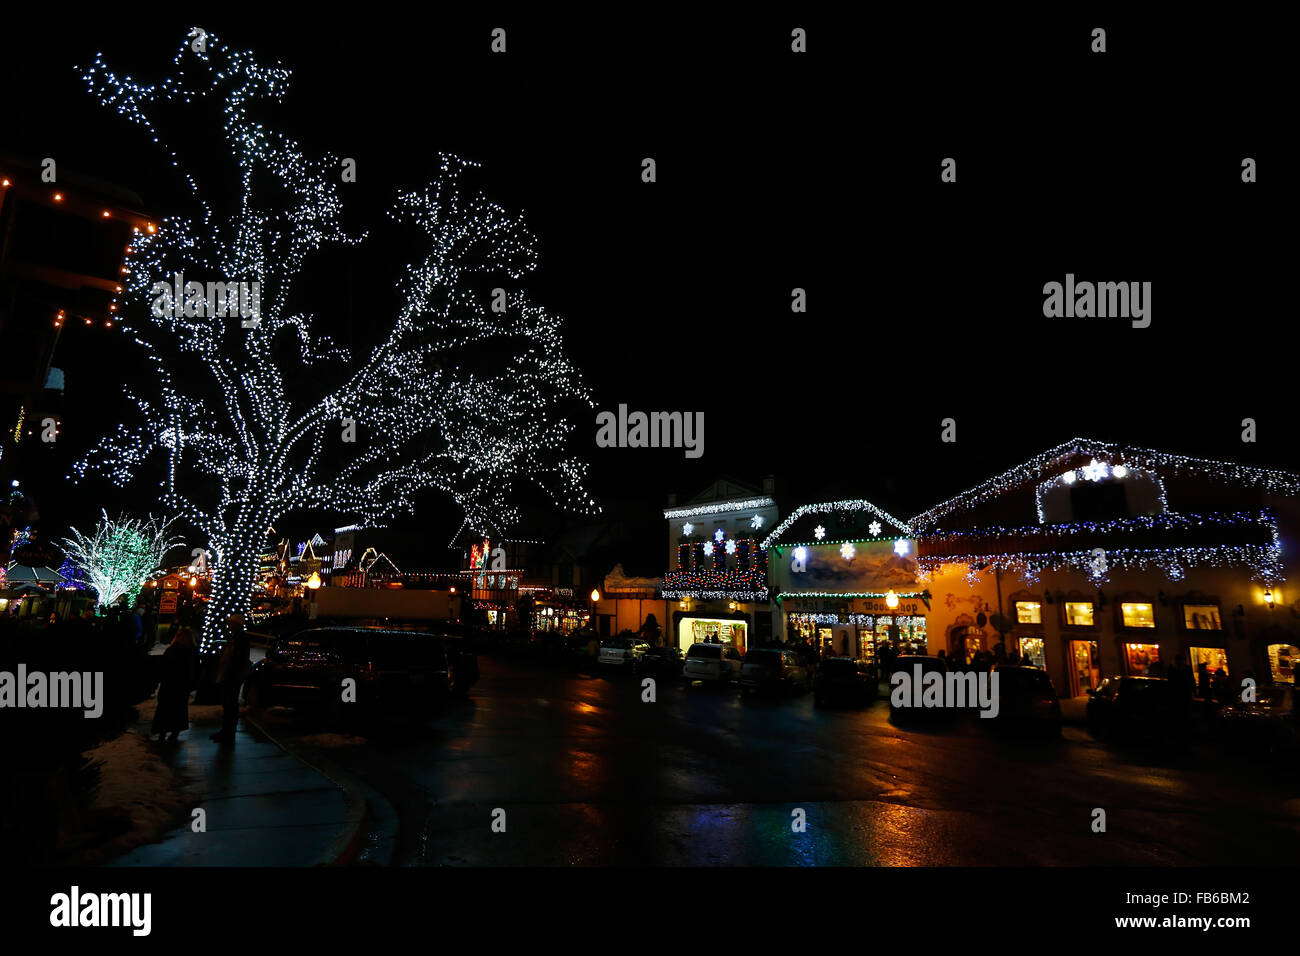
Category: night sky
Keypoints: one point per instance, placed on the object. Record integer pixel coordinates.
(776, 171)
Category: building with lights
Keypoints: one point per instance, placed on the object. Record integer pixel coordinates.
(1098, 559)
(63, 246)
(718, 573)
(844, 576)
(1090, 560)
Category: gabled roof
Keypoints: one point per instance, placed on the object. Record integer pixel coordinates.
(1046, 464)
(891, 526)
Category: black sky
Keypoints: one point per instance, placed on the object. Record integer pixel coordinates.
(777, 171)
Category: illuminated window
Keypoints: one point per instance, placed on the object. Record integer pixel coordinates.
(1138, 615)
(1029, 612)
(1141, 658)
(1078, 613)
(1032, 651)
(1282, 661)
(1201, 617)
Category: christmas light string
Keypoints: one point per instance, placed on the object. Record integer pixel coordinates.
(477, 437)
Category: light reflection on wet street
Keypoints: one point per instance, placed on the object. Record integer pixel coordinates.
(588, 774)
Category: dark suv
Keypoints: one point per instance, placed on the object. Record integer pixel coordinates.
(394, 670)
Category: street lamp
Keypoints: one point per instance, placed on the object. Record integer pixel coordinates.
(891, 600)
(313, 582)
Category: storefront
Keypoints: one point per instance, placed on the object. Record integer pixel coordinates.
(1085, 667)
(702, 629)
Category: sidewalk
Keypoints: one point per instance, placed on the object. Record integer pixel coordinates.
(264, 807)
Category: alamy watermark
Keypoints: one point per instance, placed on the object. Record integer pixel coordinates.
(76, 909)
(1101, 300)
(651, 430)
(78, 691)
(955, 690)
(192, 300)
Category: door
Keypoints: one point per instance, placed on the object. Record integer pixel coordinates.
(1085, 667)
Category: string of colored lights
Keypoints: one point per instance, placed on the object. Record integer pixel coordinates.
(118, 557)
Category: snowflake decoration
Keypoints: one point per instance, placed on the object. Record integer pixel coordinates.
(708, 549)
(820, 532)
(874, 528)
(688, 529)
(1068, 477)
(846, 551)
(731, 546)
(900, 546)
(719, 535)
(756, 522)
(1096, 470)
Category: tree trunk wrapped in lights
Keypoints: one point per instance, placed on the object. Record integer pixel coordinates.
(360, 438)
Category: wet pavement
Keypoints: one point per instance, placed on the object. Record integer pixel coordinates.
(589, 774)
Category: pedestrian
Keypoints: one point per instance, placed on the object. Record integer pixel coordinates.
(1014, 658)
(178, 667)
(1203, 680)
(232, 668)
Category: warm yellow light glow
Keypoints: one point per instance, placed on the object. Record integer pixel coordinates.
(595, 595)
(453, 589)
(891, 600)
(314, 582)
(1138, 615)
(58, 197)
(194, 581)
(1268, 597)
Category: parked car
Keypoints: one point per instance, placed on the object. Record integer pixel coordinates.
(663, 660)
(842, 680)
(907, 664)
(773, 669)
(1138, 707)
(395, 671)
(1027, 701)
(625, 652)
(1269, 724)
(719, 663)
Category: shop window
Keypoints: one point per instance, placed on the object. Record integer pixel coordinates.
(1141, 658)
(1137, 614)
(1085, 667)
(1282, 660)
(1201, 617)
(1078, 614)
(1029, 612)
(1032, 652)
(1215, 659)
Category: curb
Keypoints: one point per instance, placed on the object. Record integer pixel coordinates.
(345, 850)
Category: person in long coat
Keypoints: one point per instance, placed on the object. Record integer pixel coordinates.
(178, 664)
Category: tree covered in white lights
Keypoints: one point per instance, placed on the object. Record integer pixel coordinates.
(120, 555)
(252, 423)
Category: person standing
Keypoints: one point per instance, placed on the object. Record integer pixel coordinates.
(232, 668)
(178, 664)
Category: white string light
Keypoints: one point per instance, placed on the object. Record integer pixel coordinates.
(478, 438)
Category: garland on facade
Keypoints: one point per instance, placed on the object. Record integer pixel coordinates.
(830, 507)
(1143, 459)
(1263, 560)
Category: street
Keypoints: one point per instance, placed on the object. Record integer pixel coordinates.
(588, 774)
